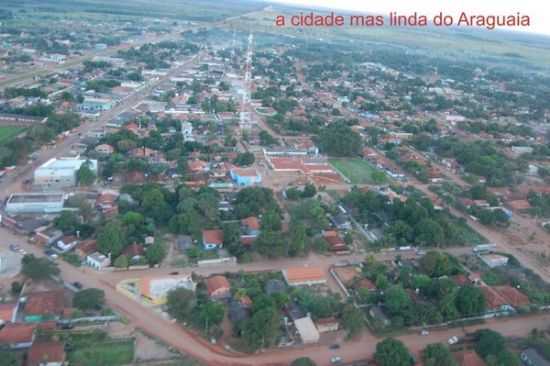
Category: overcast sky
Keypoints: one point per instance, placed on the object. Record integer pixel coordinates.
(538, 10)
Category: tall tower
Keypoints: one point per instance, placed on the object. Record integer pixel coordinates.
(245, 121)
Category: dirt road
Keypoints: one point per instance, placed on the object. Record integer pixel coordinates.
(190, 343)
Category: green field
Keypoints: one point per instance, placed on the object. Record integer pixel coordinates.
(359, 171)
(7, 133)
(99, 354)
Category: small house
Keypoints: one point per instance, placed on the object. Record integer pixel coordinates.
(245, 177)
(325, 325)
(98, 261)
(212, 239)
(218, 287)
(304, 276)
(46, 353)
(44, 305)
(17, 336)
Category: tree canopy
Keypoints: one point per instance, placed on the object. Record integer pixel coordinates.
(392, 352)
(338, 139)
(89, 299)
(38, 268)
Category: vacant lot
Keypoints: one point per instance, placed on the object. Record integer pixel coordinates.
(111, 353)
(9, 132)
(359, 171)
(97, 349)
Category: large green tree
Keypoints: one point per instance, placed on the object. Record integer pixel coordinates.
(38, 268)
(67, 222)
(396, 299)
(392, 352)
(352, 320)
(111, 239)
(89, 299)
(338, 139)
(180, 303)
(437, 354)
(303, 361)
(85, 176)
(155, 253)
(470, 301)
(491, 346)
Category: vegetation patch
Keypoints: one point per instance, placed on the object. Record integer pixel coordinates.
(7, 133)
(359, 171)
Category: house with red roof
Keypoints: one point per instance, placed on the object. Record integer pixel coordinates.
(212, 239)
(218, 287)
(44, 305)
(17, 335)
(335, 241)
(250, 226)
(7, 312)
(46, 353)
(134, 251)
(512, 296)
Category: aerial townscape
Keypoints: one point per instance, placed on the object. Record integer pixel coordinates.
(185, 183)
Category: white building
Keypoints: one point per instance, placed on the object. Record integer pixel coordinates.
(307, 330)
(494, 260)
(98, 261)
(60, 173)
(35, 203)
(187, 132)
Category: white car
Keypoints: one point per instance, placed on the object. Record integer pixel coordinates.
(453, 340)
(336, 360)
(424, 332)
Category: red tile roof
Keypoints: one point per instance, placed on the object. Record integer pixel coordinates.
(16, 333)
(251, 222)
(512, 296)
(6, 311)
(460, 279)
(87, 246)
(300, 274)
(45, 303)
(347, 274)
(46, 351)
(134, 250)
(519, 205)
(494, 299)
(366, 283)
(212, 236)
(217, 283)
(334, 239)
(245, 172)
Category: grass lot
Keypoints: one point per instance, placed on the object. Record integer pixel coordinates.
(99, 354)
(359, 171)
(97, 349)
(7, 133)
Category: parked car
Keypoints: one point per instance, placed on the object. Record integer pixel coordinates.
(424, 332)
(453, 340)
(334, 346)
(14, 247)
(335, 360)
(77, 285)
